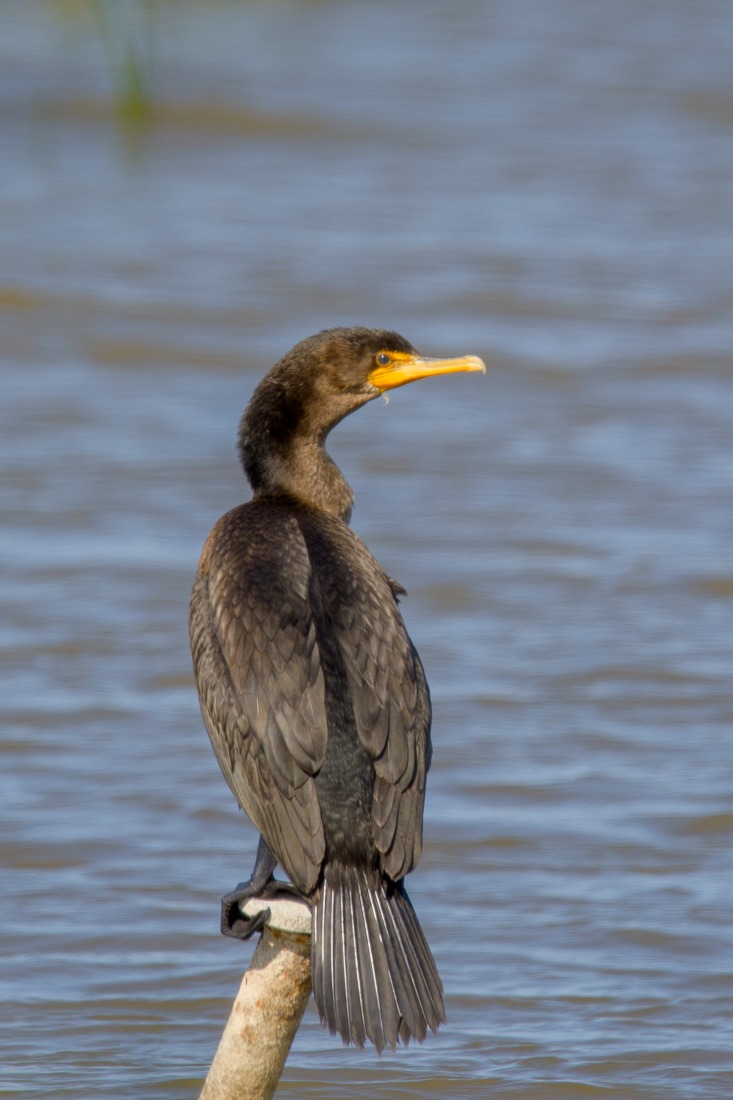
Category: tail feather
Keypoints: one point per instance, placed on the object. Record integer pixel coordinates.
(434, 986)
(415, 994)
(373, 974)
(354, 988)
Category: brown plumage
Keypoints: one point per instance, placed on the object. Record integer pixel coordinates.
(313, 695)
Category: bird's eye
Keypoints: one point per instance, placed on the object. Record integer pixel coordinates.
(383, 359)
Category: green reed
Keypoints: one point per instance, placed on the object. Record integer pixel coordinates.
(127, 31)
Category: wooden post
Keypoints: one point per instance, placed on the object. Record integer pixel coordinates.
(269, 1006)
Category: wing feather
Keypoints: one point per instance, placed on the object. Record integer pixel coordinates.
(387, 684)
(259, 678)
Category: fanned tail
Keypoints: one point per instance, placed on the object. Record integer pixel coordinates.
(373, 974)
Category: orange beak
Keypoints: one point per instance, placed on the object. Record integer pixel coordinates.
(404, 368)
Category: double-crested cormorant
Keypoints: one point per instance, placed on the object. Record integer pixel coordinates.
(313, 695)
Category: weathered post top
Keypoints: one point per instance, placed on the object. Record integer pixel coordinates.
(269, 1006)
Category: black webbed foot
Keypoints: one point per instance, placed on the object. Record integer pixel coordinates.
(233, 922)
(261, 884)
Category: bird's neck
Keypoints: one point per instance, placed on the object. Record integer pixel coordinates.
(306, 471)
(282, 438)
(297, 466)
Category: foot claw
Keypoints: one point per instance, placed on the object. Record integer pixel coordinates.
(235, 924)
(233, 921)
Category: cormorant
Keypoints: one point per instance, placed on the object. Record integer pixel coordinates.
(312, 692)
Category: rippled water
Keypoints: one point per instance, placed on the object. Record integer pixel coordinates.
(548, 186)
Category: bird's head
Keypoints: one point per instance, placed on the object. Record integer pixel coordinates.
(319, 382)
(355, 365)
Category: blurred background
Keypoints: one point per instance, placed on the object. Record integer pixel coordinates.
(187, 189)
